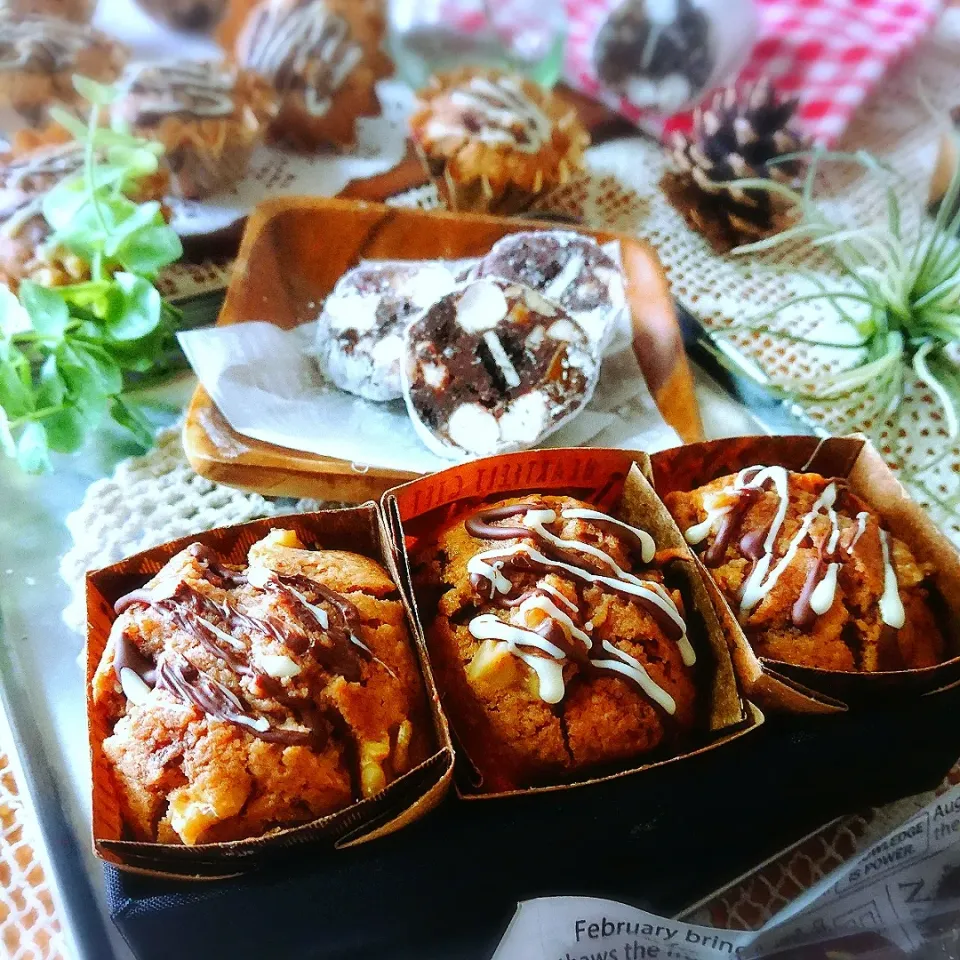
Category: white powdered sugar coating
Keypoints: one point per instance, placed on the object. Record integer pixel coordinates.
(524, 421)
(481, 306)
(352, 311)
(474, 429)
(425, 287)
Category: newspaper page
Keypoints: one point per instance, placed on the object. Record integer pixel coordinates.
(901, 891)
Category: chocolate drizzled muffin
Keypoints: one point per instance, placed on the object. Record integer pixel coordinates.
(323, 60)
(494, 141)
(39, 56)
(245, 699)
(569, 268)
(360, 333)
(208, 116)
(494, 367)
(556, 645)
(812, 574)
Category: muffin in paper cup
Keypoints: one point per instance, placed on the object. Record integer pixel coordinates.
(845, 589)
(323, 59)
(208, 116)
(567, 625)
(254, 690)
(493, 141)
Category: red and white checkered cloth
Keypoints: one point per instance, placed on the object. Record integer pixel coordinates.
(829, 53)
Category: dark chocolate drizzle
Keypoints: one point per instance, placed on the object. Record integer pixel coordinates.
(730, 526)
(336, 648)
(480, 525)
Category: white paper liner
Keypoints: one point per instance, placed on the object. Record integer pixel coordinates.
(268, 387)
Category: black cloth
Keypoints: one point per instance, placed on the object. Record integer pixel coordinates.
(447, 885)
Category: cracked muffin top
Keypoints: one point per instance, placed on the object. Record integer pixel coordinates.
(556, 643)
(243, 699)
(810, 571)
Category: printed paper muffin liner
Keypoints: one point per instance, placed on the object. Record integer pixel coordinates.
(776, 684)
(409, 797)
(615, 481)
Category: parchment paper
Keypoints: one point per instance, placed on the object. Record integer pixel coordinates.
(268, 386)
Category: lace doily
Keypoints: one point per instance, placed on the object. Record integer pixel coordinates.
(901, 126)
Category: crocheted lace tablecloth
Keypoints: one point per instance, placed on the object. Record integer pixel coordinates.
(157, 497)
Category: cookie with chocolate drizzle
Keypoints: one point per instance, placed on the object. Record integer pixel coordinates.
(556, 642)
(242, 699)
(812, 574)
(208, 116)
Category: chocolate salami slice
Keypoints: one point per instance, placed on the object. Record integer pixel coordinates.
(494, 367)
(568, 268)
(360, 336)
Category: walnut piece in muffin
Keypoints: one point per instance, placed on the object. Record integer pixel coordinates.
(556, 643)
(247, 699)
(811, 573)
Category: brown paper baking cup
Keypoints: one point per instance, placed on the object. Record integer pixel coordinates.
(775, 684)
(409, 797)
(615, 481)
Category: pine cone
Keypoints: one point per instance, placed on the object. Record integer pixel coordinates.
(735, 137)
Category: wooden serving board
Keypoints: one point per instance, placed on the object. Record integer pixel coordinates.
(295, 249)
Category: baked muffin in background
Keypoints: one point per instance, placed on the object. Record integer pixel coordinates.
(37, 163)
(323, 59)
(39, 56)
(208, 116)
(556, 646)
(811, 573)
(492, 141)
(76, 11)
(242, 699)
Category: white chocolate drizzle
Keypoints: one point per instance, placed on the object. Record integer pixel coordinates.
(622, 662)
(648, 548)
(306, 45)
(862, 518)
(489, 565)
(504, 111)
(202, 89)
(549, 669)
(891, 606)
(762, 580)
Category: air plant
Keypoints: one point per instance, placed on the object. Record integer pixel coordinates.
(900, 298)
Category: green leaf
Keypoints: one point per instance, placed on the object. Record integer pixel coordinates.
(47, 310)
(97, 93)
(51, 388)
(63, 203)
(69, 122)
(133, 307)
(13, 318)
(144, 215)
(150, 249)
(16, 397)
(88, 370)
(32, 452)
(65, 429)
(91, 408)
(8, 446)
(130, 416)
